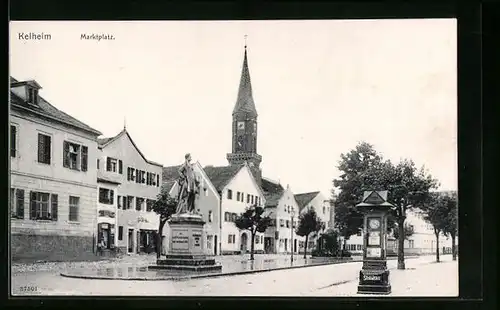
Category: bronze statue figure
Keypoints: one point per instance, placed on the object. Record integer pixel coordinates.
(188, 187)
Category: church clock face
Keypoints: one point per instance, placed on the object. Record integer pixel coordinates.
(241, 126)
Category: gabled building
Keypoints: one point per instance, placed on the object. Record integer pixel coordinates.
(207, 203)
(238, 190)
(129, 183)
(53, 179)
(283, 209)
(321, 205)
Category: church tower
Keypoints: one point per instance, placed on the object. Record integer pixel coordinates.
(244, 125)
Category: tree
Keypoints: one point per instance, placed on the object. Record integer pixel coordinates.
(436, 211)
(165, 206)
(364, 169)
(451, 223)
(330, 242)
(309, 223)
(253, 220)
(358, 174)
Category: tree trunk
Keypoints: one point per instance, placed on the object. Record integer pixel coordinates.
(437, 246)
(305, 246)
(159, 239)
(401, 244)
(252, 245)
(453, 247)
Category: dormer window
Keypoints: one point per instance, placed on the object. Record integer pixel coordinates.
(32, 95)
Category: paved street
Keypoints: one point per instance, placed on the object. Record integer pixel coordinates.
(423, 278)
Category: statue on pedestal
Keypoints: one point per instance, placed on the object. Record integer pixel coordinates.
(188, 188)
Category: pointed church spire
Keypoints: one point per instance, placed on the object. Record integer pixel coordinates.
(244, 102)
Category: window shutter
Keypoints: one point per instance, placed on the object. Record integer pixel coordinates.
(20, 203)
(13, 135)
(54, 207)
(120, 167)
(108, 164)
(32, 205)
(112, 198)
(65, 154)
(40, 148)
(85, 156)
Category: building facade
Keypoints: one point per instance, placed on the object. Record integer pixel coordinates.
(53, 179)
(207, 203)
(129, 184)
(321, 205)
(282, 208)
(238, 190)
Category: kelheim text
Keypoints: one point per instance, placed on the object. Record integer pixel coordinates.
(97, 37)
(34, 36)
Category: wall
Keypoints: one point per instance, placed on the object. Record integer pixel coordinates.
(29, 175)
(123, 149)
(242, 182)
(283, 211)
(207, 201)
(319, 203)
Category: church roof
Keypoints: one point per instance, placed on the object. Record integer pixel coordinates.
(45, 109)
(305, 198)
(220, 176)
(244, 102)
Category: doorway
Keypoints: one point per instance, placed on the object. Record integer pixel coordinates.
(295, 246)
(130, 241)
(244, 241)
(215, 245)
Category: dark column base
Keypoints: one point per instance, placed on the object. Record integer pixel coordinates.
(374, 282)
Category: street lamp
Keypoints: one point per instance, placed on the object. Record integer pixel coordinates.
(291, 232)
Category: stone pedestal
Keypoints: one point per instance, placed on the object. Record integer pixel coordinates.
(187, 246)
(374, 278)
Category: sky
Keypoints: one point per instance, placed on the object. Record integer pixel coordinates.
(319, 87)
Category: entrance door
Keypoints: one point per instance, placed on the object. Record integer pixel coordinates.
(244, 241)
(215, 245)
(130, 240)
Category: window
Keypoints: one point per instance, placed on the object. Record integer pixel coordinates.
(262, 239)
(282, 223)
(111, 164)
(130, 202)
(251, 199)
(98, 162)
(138, 203)
(231, 239)
(125, 203)
(238, 196)
(75, 156)
(157, 180)
(227, 216)
(41, 208)
(13, 140)
(358, 247)
(120, 167)
(18, 199)
(242, 197)
(288, 209)
(257, 239)
(74, 203)
(210, 216)
(44, 147)
(358, 233)
(287, 223)
(106, 196)
(248, 198)
(120, 233)
(324, 210)
(119, 201)
(229, 194)
(234, 216)
(32, 95)
(411, 244)
(149, 205)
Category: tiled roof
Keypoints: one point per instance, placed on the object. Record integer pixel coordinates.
(105, 141)
(271, 186)
(272, 199)
(305, 198)
(244, 102)
(220, 176)
(170, 173)
(46, 109)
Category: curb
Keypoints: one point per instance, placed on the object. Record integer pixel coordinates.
(212, 275)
